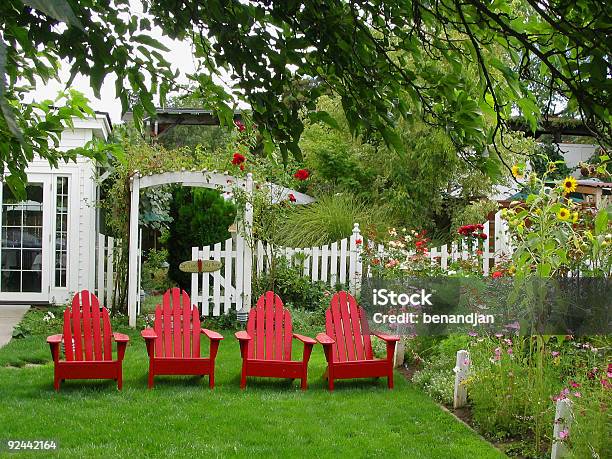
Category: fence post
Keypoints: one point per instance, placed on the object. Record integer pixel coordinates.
(462, 368)
(101, 263)
(563, 419)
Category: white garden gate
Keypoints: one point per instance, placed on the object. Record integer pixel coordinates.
(218, 292)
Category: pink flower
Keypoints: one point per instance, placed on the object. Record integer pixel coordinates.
(497, 353)
(241, 127)
(508, 341)
(472, 333)
(497, 275)
(555, 353)
(563, 434)
(606, 384)
(509, 351)
(577, 394)
(574, 384)
(292, 197)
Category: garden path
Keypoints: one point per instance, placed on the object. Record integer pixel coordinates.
(10, 316)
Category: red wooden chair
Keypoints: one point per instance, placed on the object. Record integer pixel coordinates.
(173, 344)
(266, 344)
(347, 344)
(87, 343)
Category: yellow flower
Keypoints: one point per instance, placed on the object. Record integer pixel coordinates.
(569, 185)
(516, 171)
(552, 167)
(563, 214)
(574, 217)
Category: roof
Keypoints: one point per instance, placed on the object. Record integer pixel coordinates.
(186, 116)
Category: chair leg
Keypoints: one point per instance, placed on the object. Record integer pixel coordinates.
(390, 380)
(151, 376)
(120, 379)
(304, 384)
(211, 379)
(56, 383)
(330, 381)
(243, 378)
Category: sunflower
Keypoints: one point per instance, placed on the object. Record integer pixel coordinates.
(563, 214)
(569, 185)
(516, 171)
(575, 217)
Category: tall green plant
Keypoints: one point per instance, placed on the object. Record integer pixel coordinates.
(201, 217)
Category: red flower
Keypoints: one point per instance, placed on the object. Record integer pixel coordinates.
(292, 197)
(479, 252)
(241, 127)
(376, 261)
(497, 274)
(483, 236)
(238, 159)
(358, 241)
(302, 174)
(242, 167)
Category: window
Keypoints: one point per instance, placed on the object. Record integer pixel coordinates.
(22, 235)
(61, 231)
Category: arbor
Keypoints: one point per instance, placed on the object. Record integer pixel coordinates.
(283, 55)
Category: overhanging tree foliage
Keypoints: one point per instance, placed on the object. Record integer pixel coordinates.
(285, 54)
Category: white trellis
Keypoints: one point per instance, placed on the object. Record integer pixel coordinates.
(208, 179)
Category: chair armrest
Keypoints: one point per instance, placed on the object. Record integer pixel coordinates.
(304, 339)
(148, 333)
(120, 338)
(54, 339)
(387, 338)
(213, 336)
(243, 336)
(325, 339)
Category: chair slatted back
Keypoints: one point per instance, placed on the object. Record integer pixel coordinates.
(177, 326)
(346, 323)
(87, 329)
(270, 327)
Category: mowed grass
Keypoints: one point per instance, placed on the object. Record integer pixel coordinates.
(181, 417)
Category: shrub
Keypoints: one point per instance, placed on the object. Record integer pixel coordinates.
(201, 217)
(294, 289)
(155, 272)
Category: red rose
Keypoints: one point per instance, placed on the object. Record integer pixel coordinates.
(292, 197)
(483, 236)
(358, 241)
(302, 174)
(497, 275)
(242, 167)
(375, 261)
(238, 159)
(241, 127)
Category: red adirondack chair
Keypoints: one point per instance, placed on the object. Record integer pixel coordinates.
(87, 343)
(347, 344)
(173, 344)
(266, 344)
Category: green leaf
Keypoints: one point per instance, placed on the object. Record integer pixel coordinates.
(392, 139)
(5, 108)
(57, 9)
(323, 116)
(601, 221)
(150, 41)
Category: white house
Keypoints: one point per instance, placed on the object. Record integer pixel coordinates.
(48, 243)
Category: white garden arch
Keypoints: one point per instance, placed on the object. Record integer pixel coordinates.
(223, 182)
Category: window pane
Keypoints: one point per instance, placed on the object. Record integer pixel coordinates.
(11, 259)
(32, 237)
(11, 216)
(11, 237)
(32, 260)
(11, 281)
(31, 282)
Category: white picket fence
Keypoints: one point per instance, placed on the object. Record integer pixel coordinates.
(108, 250)
(337, 263)
(497, 247)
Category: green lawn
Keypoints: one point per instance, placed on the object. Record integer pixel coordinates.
(182, 417)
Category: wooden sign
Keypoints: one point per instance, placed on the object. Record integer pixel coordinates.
(200, 266)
